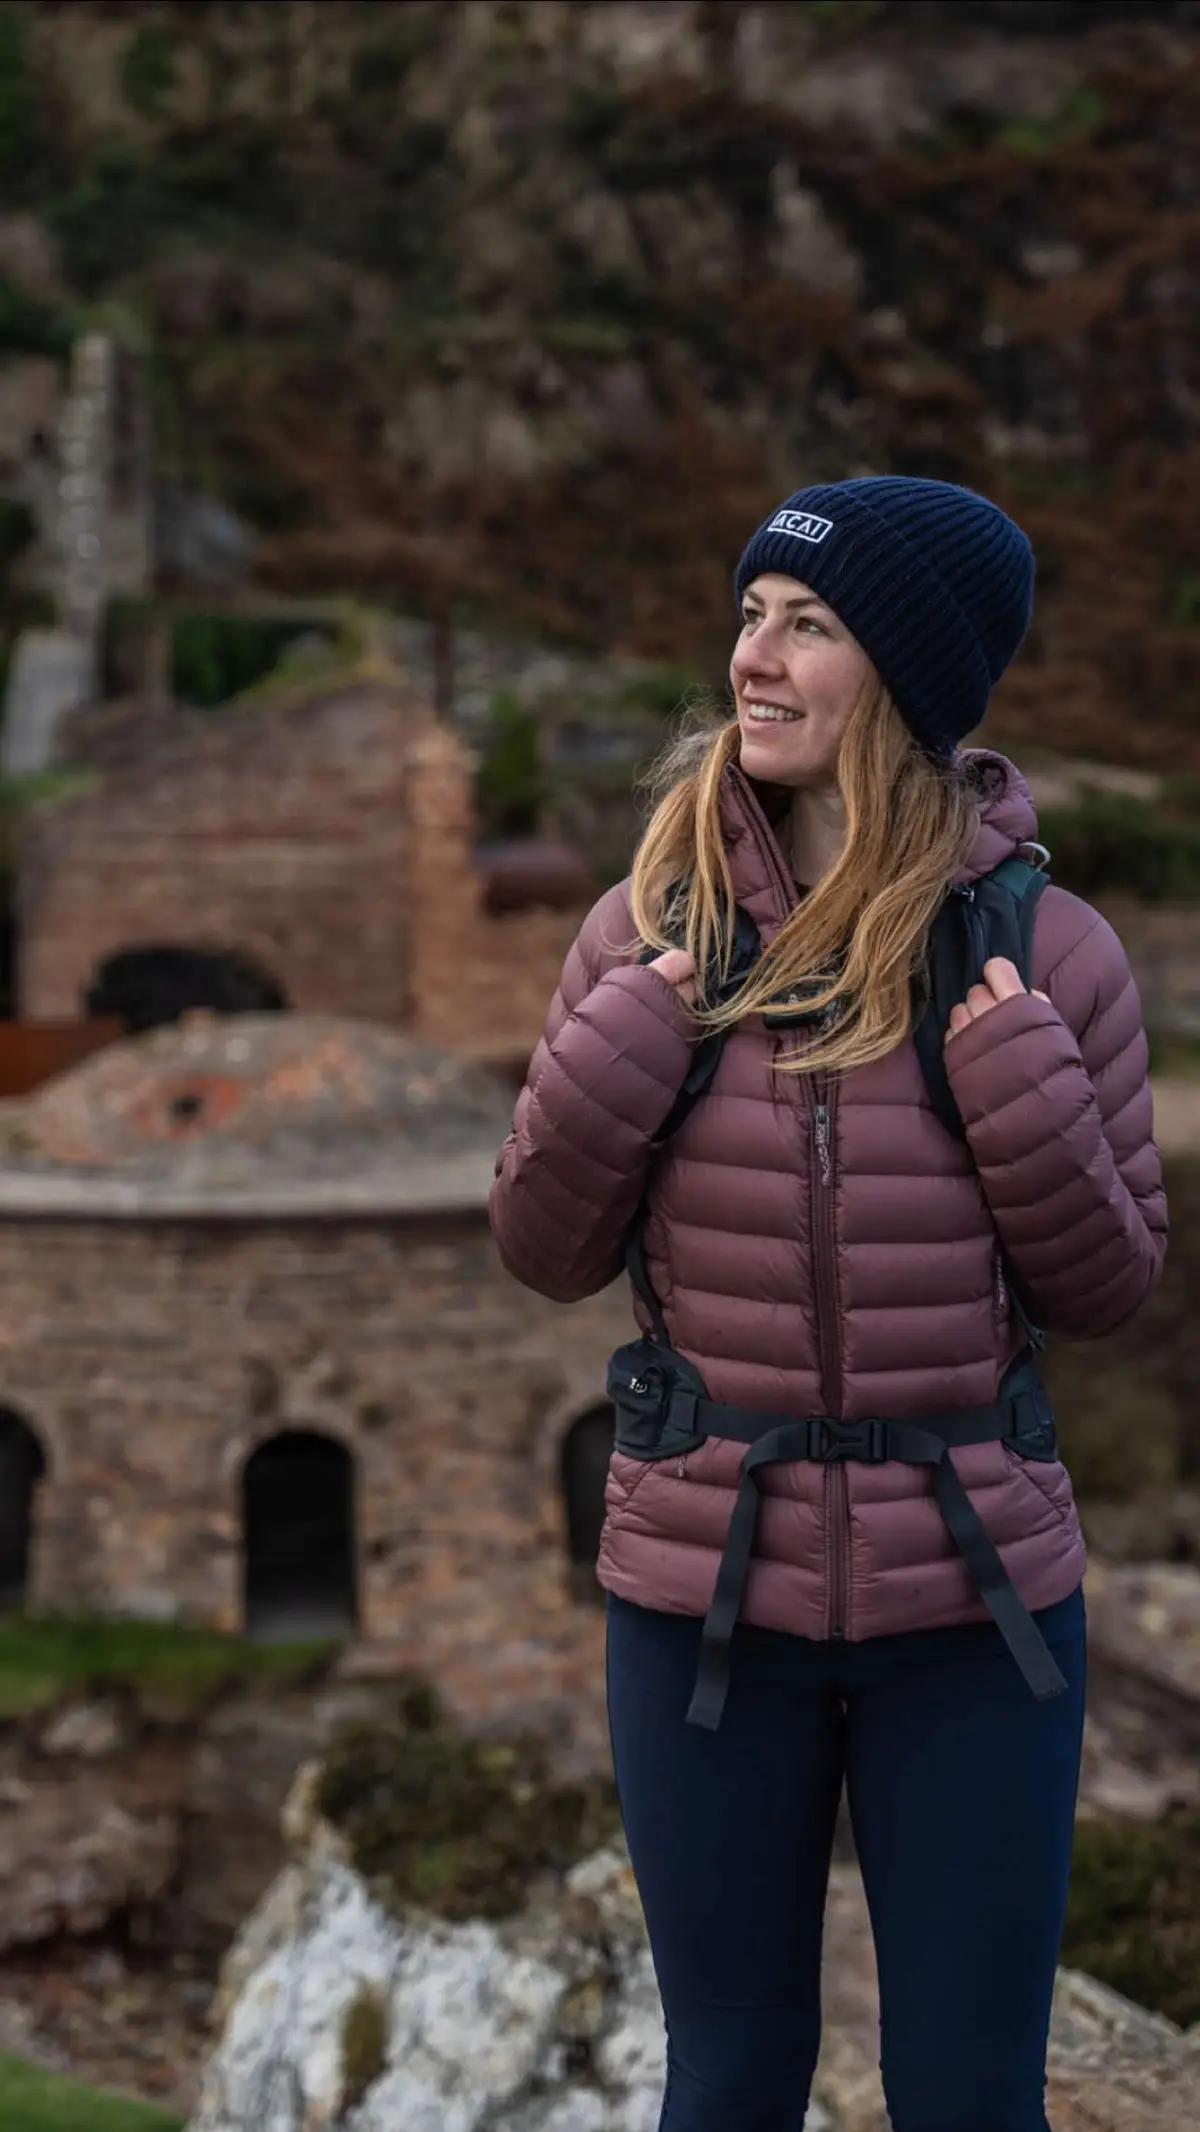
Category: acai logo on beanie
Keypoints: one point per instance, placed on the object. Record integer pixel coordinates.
(934, 581)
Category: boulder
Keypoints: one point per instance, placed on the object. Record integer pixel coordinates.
(341, 2007)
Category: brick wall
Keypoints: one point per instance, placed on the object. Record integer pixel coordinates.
(331, 841)
(278, 832)
(152, 1360)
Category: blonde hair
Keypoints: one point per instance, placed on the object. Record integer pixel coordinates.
(909, 823)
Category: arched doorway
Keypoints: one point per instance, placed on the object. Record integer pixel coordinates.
(586, 1451)
(22, 1466)
(149, 987)
(299, 1553)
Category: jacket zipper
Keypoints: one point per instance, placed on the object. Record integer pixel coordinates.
(821, 1101)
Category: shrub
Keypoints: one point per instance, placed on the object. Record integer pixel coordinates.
(112, 217)
(200, 179)
(31, 328)
(18, 96)
(511, 787)
(148, 68)
(1111, 842)
(452, 1823)
(216, 656)
(1134, 1914)
(16, 531)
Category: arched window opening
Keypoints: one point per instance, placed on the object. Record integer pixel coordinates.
(150, 987)
(22, 1467)
(587, 1449)
(299, 1544)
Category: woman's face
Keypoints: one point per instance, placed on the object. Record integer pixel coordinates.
(797, 673)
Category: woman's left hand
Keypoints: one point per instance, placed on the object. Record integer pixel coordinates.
(1002, 980)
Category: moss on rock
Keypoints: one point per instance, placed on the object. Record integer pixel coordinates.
(452, 1824)
(364, 2045)
(1134, 1914)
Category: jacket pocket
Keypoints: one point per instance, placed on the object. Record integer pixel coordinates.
(625, 1475)
(1049, 1478)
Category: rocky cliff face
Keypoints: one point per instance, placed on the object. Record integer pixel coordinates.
(339, 2010)
(540, 305)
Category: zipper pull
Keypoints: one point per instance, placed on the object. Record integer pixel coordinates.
(821, 1131)
(1001, 1286)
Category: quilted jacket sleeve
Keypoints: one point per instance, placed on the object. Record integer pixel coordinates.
(1058, 1110)
(605, 1074)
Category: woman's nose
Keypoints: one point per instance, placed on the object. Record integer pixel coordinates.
(757, 655)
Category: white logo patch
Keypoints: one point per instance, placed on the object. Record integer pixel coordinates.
(801, 525)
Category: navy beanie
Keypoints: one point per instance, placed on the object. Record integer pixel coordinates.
(934, 581)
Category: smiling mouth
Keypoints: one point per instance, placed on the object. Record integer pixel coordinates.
(771, 714)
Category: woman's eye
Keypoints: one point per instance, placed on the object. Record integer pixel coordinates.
(805, 621)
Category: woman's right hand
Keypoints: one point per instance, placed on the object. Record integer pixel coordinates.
(679, 969)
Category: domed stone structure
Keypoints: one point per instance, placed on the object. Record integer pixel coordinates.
(261, 1368)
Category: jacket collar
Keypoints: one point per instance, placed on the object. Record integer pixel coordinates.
(751, 813)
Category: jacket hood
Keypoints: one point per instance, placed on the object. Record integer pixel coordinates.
(1008, 817)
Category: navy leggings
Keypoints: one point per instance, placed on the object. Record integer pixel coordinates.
(961, 1790)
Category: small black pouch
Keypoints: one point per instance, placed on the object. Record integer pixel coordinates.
(1038, 1440)
(654, 1394)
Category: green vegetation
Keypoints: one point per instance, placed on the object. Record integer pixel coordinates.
(1112, 842)
(18, 97)
(364, 2044)
(1080, 117)
(44, 1658)
(34, 2101)
(31, 328)
(202, 180)
(216, 656)
(1174, 1057)
(1134, 1915)
(1126, 1405)
(662, 690)
(511, 787)
(148, 68)
(455, 1825)
(16, 531)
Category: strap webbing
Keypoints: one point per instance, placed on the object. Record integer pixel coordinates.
(916, 1445)
(636, 1268)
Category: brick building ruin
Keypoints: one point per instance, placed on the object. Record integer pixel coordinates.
(314, 847)
(261, 1368)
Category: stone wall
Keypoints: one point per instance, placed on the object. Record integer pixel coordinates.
(152, 1360)
(329, 840)
(278, 833)
(480, 985)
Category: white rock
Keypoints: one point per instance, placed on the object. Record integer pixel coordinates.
(477, 2016)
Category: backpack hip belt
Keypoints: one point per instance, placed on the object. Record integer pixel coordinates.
(663, 1411)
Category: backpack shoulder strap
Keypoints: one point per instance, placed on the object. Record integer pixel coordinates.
(705, 1059)
(1025, 883)
(996, 917)
(706, 1054)
(992, 916)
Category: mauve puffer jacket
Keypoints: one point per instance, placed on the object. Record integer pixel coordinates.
(855, 1276)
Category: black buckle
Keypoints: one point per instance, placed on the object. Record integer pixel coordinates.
(829, 1441)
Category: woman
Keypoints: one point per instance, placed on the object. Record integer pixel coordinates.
(816, 1243)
